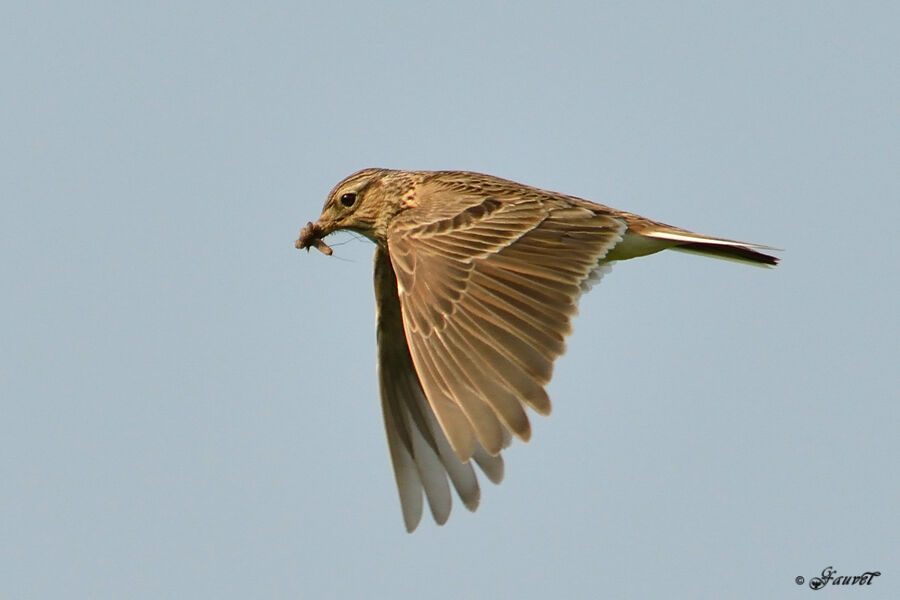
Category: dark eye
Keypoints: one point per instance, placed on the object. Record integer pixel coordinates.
(348, 199)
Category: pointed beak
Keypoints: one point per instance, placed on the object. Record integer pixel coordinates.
(311, 236)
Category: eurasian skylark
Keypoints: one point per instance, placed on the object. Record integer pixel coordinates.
(476, 282)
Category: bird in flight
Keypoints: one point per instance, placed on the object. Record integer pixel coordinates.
(477, 279)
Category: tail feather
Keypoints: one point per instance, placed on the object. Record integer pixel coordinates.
(686, 241)
(743, 254)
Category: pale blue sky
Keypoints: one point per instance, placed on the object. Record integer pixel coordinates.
(189, 407)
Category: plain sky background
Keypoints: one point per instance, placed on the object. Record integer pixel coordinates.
(189, 406)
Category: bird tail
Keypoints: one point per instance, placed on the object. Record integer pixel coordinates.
(686, 241)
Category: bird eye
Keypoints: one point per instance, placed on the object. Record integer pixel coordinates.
(348, 199)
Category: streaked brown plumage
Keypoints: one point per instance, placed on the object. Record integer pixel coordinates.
(476, 282)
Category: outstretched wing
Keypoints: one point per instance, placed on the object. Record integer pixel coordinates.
(488, 282)
(420, 453)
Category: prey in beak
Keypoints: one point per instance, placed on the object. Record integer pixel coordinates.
(310, 236)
